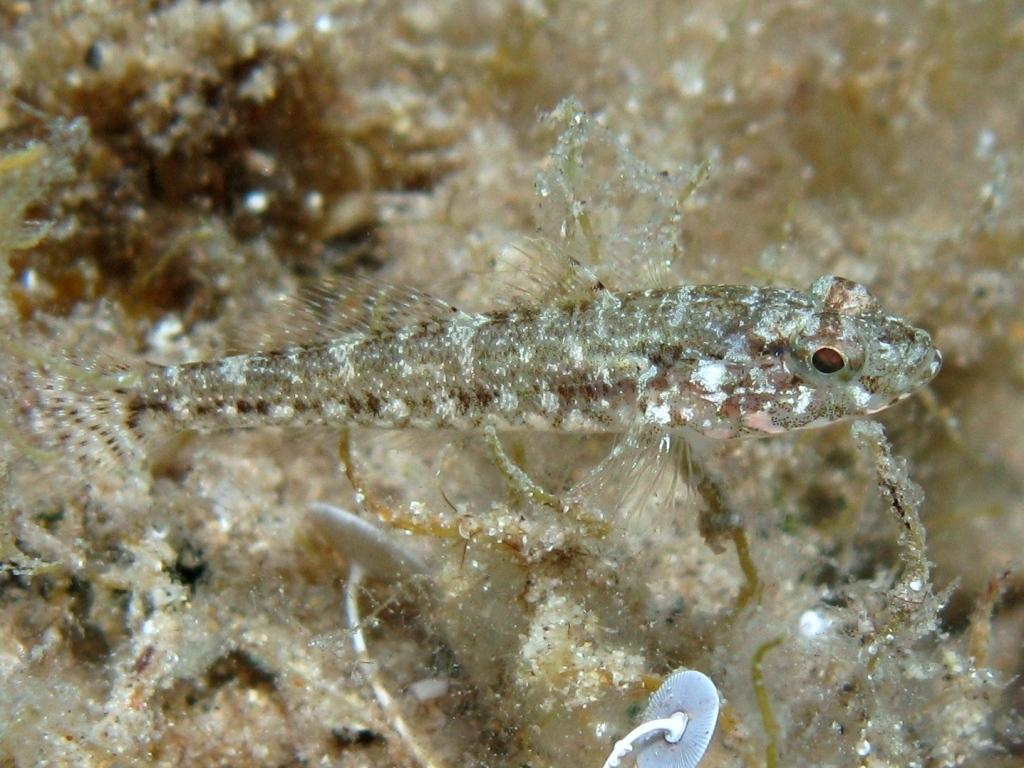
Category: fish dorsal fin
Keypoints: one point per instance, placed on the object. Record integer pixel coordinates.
(339, 306)
(537, 271)
(611, 210)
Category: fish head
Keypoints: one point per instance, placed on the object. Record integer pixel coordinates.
(849, 357)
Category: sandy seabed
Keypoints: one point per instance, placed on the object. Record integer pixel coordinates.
(169, 169)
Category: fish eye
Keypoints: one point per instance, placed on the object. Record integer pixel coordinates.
(828, 360)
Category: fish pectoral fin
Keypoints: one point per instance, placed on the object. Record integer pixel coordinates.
(646, 461)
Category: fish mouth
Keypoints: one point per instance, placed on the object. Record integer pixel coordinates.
(930, 366)
(927, 369)
(924, 361)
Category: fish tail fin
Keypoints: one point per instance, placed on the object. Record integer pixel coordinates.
(57, 408)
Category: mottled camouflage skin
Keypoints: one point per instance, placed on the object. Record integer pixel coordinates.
(723, 360)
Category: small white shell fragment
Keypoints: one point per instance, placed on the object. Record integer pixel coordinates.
(813, 624)
(361, 541)
(429, 688)
(692, 693)
(257, 201)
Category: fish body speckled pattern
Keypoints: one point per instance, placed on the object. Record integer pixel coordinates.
(723, 360)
